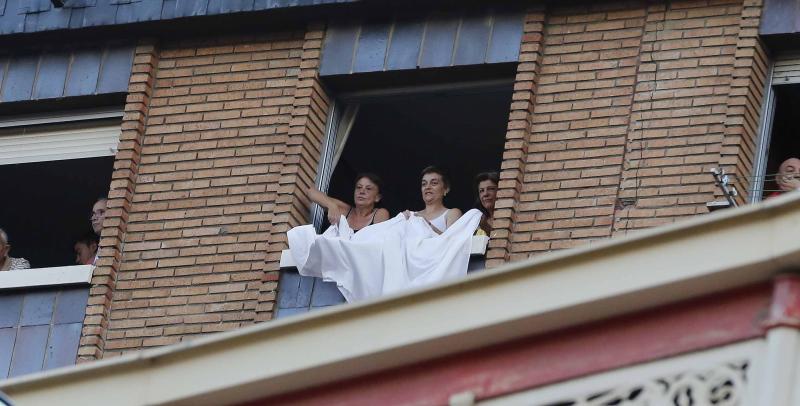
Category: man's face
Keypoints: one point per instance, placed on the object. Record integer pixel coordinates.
(98, 215)
(789, 175)
(84, 254)
(4, 248)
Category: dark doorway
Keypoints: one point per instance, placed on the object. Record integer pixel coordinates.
(46, 206)
(460, 131)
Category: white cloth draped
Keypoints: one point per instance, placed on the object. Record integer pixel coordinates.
(386, 257)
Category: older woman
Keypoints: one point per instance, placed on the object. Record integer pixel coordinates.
(434, 187)
(8, 263)
(487, 194)
(363, 212)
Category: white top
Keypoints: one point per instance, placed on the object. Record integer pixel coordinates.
(441, 221)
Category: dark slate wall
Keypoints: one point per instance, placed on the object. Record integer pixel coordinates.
(54, 74)
(299, 294)
(40, 329)
(780, 17)
(438, 39)
(28, 16)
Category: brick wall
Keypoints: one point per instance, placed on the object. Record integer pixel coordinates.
(224, 119)
(619, 110)
(634, 103)
(300, 161)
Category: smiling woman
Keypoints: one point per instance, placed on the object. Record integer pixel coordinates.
(434, 187)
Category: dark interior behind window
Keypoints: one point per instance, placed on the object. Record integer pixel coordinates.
(785, 137)
(462, 132)
(46, 205)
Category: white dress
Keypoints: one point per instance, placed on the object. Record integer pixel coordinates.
(382, 258)
(441, 221)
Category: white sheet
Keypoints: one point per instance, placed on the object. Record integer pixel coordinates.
(382, 258)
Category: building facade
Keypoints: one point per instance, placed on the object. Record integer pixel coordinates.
(602, 118)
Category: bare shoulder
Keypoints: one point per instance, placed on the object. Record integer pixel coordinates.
(453, 215)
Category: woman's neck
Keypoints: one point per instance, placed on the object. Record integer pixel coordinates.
(434, 208)
(363, 211)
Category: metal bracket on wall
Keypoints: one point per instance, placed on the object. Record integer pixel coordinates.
(729, 191)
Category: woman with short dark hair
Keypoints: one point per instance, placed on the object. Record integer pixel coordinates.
(434, 187)
(362, 213)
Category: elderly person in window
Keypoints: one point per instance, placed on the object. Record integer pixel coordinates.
(98, 214)
(434, 187)
(486, 183)
(363, 212)
(788, 177)
(8, 263)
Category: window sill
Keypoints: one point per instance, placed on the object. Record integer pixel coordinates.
(44, 277)
(478, 248)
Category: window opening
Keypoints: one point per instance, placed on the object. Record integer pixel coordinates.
(396, 133)
(778, 127)
(783, 142)
(51, 175)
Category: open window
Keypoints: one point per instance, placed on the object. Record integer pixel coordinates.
(779, 139)
(395, 124)
(395, 132)
(52, 171)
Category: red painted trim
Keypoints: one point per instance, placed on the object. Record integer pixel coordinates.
(535, 361)
(785, 309)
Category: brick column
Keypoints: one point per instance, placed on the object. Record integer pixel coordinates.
(579, 125)
(516, 147)
(746, 96)
(126, 163)
(306, 133)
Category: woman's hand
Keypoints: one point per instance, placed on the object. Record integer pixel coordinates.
(334, 214)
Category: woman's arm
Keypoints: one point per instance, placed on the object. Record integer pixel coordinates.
(381, 215)
(334, 207)
(452, 216)
(485, 224)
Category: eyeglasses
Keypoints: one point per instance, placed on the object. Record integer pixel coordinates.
(99, 213)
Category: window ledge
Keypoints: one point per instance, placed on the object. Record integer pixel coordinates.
(43, 277)
(478, 248)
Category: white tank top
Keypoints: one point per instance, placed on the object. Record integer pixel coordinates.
(441, 221)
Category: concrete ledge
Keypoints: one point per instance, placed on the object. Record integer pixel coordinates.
(708, 254)
(43, 277)
(479, 243)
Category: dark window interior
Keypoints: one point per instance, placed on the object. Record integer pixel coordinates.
(460, 131)
(46, 206)
(785, 138)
